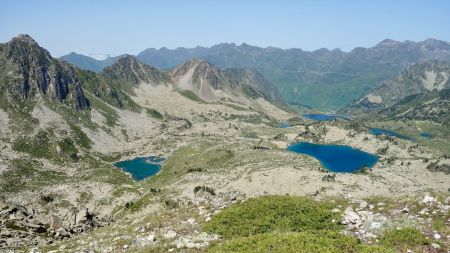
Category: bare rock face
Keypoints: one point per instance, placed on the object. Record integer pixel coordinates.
(132, 70)
(33, 72)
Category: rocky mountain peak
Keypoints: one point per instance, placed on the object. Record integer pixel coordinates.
(35, 72)
(129, 68)
(200, 66)
(24, 38)
(388, 43)
(24, 51)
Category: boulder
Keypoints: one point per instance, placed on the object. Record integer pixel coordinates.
(351, 217)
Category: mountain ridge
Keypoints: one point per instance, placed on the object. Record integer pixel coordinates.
(340, 77)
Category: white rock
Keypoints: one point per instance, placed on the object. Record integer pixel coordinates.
(350, 217)
(437, 236)
(435, 245)
(170, 234)
(363, 204)
(151, 237)
(428, 200)
(363, 214)
(375, 225)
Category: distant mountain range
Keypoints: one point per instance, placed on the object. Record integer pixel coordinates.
(89, 63)
(421, 92)
(323, 79)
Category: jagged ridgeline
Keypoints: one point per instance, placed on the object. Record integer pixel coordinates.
(29, 74)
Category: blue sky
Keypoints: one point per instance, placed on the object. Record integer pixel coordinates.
(115, 27)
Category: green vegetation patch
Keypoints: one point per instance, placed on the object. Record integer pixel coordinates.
(298, 242)
(403, 239)
(80, 137)
(154, 114)
(67, 146)
(191, 95)
(274, 214)
(199, 157)
(28, 175)
(37, 146)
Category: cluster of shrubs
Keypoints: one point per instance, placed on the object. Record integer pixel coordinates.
(435, 167)
(191, 170)
(329, 178)
(205, 189)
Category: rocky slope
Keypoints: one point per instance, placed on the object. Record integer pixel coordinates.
(300, 76)
(419, 92)
(433, 106)
(254, 84)
(210, 83)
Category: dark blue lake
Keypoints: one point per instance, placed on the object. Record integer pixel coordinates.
(380, 131)
(336, 158)
(427, 135)
(284, 125)
(320, 117)
(141, 167)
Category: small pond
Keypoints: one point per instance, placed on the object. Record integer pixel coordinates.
(380, 131)
(141, 168)
(321, 117)
(427, 135)
(336, 158)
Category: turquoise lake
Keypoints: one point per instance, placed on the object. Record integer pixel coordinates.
(141, 168)
(336, 158)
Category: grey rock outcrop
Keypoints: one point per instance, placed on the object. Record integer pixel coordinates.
(33, 72)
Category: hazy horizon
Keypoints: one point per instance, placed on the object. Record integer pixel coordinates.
(114, 27)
